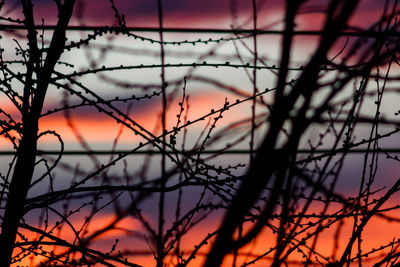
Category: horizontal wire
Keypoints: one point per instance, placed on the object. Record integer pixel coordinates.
(109, 152)
(365, 33)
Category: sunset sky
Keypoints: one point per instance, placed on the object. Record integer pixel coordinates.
(208, 90)
(201, 14)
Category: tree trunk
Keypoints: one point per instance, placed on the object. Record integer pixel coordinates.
(18, 190)
(26, 153)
